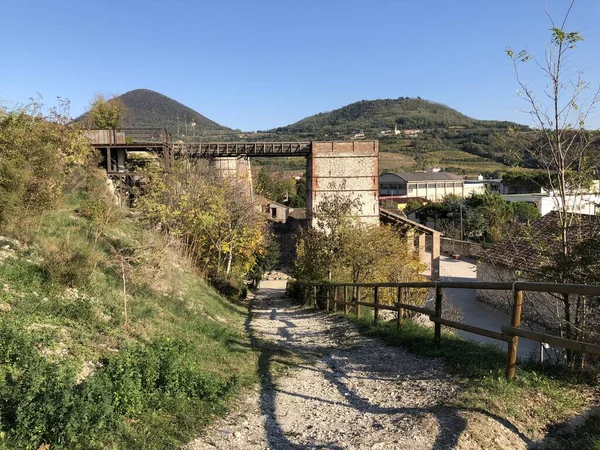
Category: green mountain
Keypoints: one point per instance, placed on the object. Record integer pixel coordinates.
(149, 109)
(378, 115)
(446, 137)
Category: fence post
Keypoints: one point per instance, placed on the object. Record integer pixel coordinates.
(327, 298)
(515, 321)
(335, 297)
(438, 313)
(346, 300)
(400, 309)
(357, 300)
(376, 307)
(314, 302)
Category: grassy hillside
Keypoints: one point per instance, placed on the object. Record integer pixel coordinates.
(445, 133)
(149, 109)
(82, 365)
(372, 116)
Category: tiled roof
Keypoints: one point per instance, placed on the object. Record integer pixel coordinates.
(536, 243)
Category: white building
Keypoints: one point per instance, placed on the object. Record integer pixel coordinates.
(432, 186)
(588, 204)
(474, 187)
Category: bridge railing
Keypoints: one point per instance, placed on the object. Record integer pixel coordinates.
(348, 295)
(124, 136)
(231, 149)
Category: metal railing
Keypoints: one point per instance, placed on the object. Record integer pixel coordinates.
(349, 295)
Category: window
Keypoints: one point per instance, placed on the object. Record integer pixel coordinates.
(421, 186)
(457, 185)
(430, 185)
(384, 186)
(439, 185)
(274, 213)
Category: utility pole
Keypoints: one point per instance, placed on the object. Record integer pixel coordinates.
(462, 236)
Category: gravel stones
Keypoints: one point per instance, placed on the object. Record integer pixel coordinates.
(349, 391)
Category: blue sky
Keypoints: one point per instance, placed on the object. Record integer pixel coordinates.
(267, 63)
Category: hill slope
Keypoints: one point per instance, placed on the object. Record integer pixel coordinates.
(150, 109)
(89, 375)
(377, 115)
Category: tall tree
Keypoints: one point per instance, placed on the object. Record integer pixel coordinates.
(562, 147)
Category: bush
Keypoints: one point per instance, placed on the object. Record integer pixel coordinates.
(37, 150)
(41, 402)
(230, 287)
(67, 262)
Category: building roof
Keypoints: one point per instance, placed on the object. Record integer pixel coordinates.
(397, 218)
(297, 213)
(431, 176)
(534, 246)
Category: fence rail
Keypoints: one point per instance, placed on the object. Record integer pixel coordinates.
(337, 294)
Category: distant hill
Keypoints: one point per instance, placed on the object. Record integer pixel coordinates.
(150, 109)
(377, 115)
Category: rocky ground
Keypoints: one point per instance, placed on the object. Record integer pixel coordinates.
(345, 391)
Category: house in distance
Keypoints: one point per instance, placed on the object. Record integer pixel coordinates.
(432, 186)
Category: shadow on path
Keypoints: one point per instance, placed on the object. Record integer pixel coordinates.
(450, 424)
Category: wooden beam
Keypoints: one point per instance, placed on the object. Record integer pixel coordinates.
(471, 329)
(584, 347)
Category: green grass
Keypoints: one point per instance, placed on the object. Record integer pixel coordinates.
(538, 397)
(181, 335)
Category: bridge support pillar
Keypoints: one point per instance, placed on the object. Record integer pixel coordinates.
(234, 169)
(348, 169)
(421, 247)
(435, 255)
(226, 166)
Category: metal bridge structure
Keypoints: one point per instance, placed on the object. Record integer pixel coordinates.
(349, 167)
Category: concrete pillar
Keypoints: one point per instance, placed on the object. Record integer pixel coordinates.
(421, 247)
(121, 159)
(348, 168)
(435, 256)
(108, 160)
(410, 240)
(226, 166)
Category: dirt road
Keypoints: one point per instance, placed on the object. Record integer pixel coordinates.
(346, 391)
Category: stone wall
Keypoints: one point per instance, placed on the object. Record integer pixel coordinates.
(538, 308)
(456, 247)
(463, 248)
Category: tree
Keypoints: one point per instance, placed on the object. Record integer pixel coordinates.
(524, 211)
(413, 204)
(340, 248)
(106, 113)
(319, 247)
(562, 144)
(223, 230)
(38, 151)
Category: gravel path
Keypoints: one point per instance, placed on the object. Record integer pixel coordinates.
(347, 392)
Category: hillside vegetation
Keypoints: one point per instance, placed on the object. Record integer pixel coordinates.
(378, 115)
(149, 109)
(109, 336)
(445, 136)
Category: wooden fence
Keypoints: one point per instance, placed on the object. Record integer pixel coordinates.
(348, 295)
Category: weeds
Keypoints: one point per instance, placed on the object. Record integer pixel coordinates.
(540, 395)
(63, 312)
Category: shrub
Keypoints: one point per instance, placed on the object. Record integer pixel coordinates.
(68, 262)
(37, 150)
(42, 403)
(231, 287)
